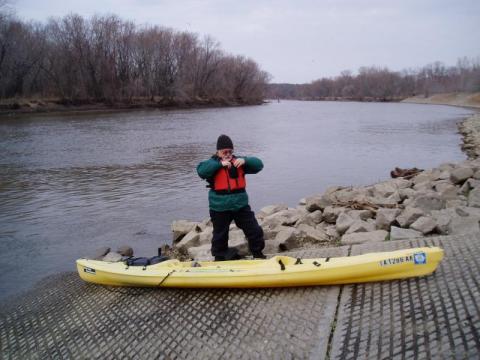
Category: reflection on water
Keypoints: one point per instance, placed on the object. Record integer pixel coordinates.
(69, 184)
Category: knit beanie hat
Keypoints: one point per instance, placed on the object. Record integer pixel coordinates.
(224, 142)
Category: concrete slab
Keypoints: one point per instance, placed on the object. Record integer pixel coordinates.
(434, 317)
(63, 317)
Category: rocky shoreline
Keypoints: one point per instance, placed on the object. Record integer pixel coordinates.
(470, 130)
(440, 201)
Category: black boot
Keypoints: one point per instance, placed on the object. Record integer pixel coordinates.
(259, 255)
(231, 254)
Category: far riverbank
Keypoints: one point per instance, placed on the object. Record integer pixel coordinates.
(61, 106)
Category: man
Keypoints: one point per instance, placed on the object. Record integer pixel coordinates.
(228, 199)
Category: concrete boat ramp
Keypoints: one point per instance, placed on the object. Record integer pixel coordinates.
(422, 318)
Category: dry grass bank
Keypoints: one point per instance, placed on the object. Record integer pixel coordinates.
(456, 99)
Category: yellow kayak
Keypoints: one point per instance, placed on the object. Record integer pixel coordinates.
(278, 271)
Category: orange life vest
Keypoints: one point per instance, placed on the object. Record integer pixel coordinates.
(225, 182)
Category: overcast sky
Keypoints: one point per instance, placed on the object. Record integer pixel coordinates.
(298, 41)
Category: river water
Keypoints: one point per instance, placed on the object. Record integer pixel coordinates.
(72, 183)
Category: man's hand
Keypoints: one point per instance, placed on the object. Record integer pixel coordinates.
(238, 162)
(226, 163)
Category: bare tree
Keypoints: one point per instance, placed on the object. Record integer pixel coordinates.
(381, 84)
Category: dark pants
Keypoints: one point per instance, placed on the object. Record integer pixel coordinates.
(245, 220)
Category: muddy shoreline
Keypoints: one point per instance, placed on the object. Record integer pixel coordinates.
(61, 107)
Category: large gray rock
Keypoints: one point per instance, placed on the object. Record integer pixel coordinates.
(424, 186)
(446, 191)
(288, 238)
(455, 203)
(424, 176)
(273, 221)
(364, 237)
(203, 225)
(446, 166)
(442, 222)
(311, 219)
(206, 236)
(444, 217)
(237, 240)
(201, 253)
(344, 221)
(331, 232)
(305, 220)
(385, 218)
(406, 193)
(474, 198)
(271, 209)
(192, 239)
(460, 174)
(360, 226)
(236, 235)
(397, 233)
(439, 174)
(272, 247)
(180, 228)
(302, 210)
(424, 224)
(460, 225)
(401, 183)
(340, 194)
(468, 211)
(409, 215)
(317, 202)
(100, 253)
(331, 213)
(125, 250)
(316, 216)
(469, 185)
(384, 189)
(312, 235)
(207, 222)
(392, 200)
(360, 214)
(112, 257)
(429, 202)
(284, 217)
(395, 198)
(271, 233)
(345, 195)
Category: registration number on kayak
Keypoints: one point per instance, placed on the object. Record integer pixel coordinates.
(419, 258)
(89, 270)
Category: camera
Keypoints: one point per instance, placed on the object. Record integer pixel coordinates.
(233, 172)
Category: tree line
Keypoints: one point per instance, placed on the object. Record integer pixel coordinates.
(104, 58)
(377, 83)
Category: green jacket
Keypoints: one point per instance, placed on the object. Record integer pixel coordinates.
(231, 202)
